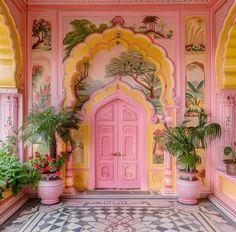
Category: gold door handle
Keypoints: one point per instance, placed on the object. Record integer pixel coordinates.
(119, 154)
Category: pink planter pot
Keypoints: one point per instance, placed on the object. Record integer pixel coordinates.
(188, 191)
(50, 191)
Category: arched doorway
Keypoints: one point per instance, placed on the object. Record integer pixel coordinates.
(117, 139)
(119, 144)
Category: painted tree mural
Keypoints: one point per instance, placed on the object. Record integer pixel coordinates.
(151, 21)
(81, 28)
(79, 83)
(42, 32)
(153, 25)
(41, 87)
(131, 64)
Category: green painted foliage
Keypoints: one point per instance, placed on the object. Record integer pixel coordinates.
(81, 28)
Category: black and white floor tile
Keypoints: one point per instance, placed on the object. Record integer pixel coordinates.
(119, 215)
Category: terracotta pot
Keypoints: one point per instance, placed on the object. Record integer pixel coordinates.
(188, 191)
(231, 169)
(50, 190)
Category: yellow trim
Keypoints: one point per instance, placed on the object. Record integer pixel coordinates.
(10, 49)
(226, 52)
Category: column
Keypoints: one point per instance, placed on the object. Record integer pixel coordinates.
(10, 114)
(168, 189)
(69, 181)
(226, 110)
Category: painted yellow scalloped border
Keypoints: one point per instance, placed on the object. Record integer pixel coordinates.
(9, 30)
(226, 52)
(130, 40)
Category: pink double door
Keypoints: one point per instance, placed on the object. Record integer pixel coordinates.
(117, 146)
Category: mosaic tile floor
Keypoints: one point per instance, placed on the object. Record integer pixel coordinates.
(119, 215)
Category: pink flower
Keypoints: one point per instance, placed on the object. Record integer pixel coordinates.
(47, 156)
(42, 170)
(58, 173)
(30, 158)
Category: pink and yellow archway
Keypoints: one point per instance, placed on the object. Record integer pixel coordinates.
(11, 55)
(118, 34)
(226, 52)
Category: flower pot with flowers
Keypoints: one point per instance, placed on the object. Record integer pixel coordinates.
(50, 184)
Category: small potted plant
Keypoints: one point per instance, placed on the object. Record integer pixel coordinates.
(50, 184)
(230, 163)
(183, 143)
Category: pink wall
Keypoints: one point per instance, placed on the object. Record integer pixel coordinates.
(60, 15)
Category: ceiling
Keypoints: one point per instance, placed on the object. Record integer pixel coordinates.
(120, 1)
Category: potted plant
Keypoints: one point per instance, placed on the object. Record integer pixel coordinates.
(50, 184)
(42, 127)
(230, 163)
(14, 175)
(183, 143)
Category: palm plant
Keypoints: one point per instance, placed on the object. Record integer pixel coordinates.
(183, 142)
(43, 126)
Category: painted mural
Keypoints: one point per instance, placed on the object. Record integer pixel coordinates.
(41, 33)
(195, 35)
(195, 42)
(130, 65)
(41, 62)
(96, 71)
(156, 27)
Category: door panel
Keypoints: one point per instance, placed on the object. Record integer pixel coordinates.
(106, 174)
(117, 144)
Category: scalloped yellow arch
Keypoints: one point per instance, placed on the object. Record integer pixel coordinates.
(226, 52)
(130, 40)
(10, 50)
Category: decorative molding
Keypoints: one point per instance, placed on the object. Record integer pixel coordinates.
(226, 208)
(118, 1)
(11, 205)
(121, 87)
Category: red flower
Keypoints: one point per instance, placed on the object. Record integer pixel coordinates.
(58, 173)
(44, 161)
(30, 158)
(37, 155)
(42, 170)
(63, 153)
(36, 166)
(47, 168)
(50, 159)
(54, 168)
(47, 156)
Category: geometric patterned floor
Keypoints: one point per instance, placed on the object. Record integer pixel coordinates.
(119, 215)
